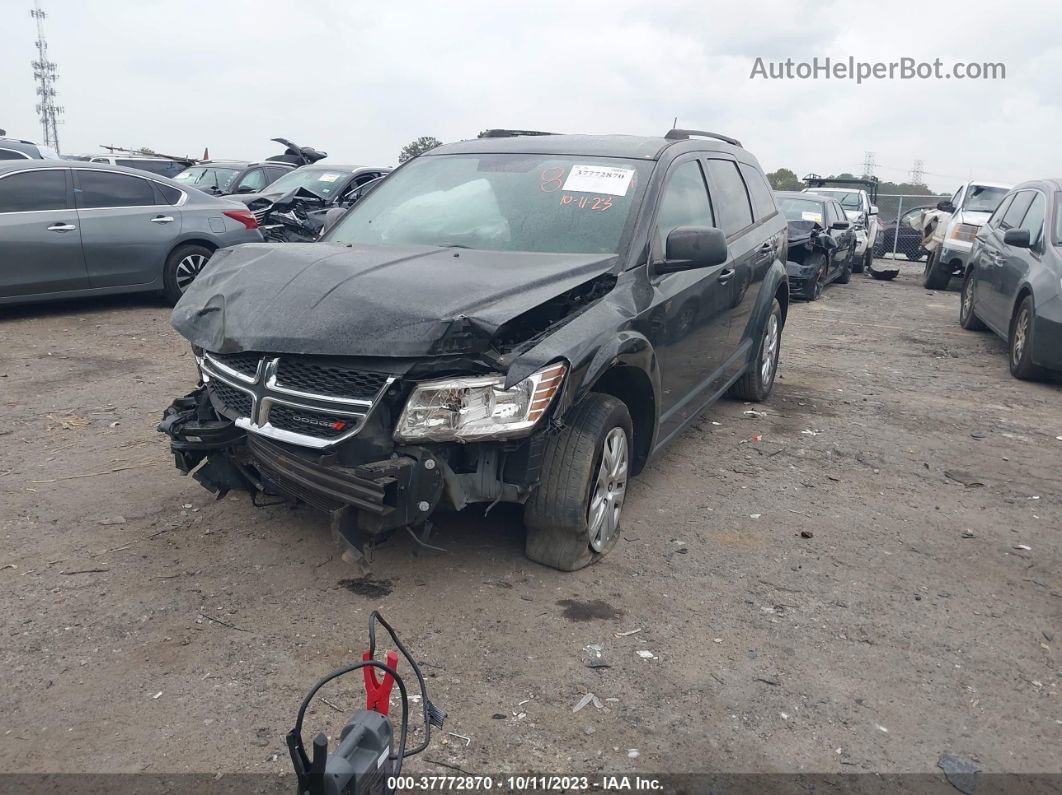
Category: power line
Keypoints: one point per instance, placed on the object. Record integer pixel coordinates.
(44, 72)
(918, 171)
(868, 165)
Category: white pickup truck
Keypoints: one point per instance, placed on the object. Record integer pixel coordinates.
(970, 208)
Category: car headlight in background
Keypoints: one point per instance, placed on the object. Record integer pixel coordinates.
(470, 409)
(965, 232)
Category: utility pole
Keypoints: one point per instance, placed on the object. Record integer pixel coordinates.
(44, 72)
(918, 173)
(868, 165)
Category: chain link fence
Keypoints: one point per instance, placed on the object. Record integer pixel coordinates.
(897, 238)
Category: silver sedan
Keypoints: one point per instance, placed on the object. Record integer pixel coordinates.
(72, 229)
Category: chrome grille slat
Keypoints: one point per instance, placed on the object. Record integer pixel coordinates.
(246, 387)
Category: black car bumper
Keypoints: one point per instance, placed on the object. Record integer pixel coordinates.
(368, 484)
(800, 276)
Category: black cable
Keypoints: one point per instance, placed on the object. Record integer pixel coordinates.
(348, 669)
(375, 616)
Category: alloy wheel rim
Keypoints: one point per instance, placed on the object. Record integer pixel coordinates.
(967, 299)
(610, 489)
(770, 349)
(187, 269)
(1021, 334)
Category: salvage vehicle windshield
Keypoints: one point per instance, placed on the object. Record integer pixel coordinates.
(850, 200)
(800, 209)
(322, 182)
(501, 202)
(982, 199)
(207, 177)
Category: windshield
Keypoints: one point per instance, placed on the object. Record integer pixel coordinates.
(206, 177)
(501, 202)
(320, 181)
(982, 199)
(800, 209)
(849, 199)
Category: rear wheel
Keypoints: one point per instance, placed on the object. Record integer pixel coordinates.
(864, 263)
(968, 318)
(1021, 343)
(573, 517)
(846, 273)
(183, 265)
(756, 384)
(936, 274)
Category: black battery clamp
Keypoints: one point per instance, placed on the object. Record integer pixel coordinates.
(363, 761)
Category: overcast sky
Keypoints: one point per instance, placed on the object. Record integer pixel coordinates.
(360, 80)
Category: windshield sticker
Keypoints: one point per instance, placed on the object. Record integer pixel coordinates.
(599, 179)
(806, 216)
(328, 177)
(550, 179)
(598, 203)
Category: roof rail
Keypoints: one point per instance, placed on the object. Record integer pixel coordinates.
(683, 135)
(499, 133)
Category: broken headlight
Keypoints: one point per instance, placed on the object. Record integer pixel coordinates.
(469, 409)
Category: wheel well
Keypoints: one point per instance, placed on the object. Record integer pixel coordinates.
(634, 388)
(195, 242)
(1022, 293)
(782, 294)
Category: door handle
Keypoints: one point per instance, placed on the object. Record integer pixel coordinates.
(767, 247)
(61, 227)
(726, 275)
(162, 219)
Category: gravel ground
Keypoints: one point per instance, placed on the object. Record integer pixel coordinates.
(873, 583)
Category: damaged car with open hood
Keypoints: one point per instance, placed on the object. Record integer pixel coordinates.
(497, 321)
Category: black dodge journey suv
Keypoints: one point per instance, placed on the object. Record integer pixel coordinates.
(517, 318)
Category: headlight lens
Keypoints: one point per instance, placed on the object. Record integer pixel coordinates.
(965, 232)
(470, 409)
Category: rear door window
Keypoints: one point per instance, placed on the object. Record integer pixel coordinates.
(109, 189)
(762, 198)
(733, 211)
(32, 191)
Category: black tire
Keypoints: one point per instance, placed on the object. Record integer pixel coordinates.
(936, 274)
(557, 514)
(968, 318)
(813, 289)
(846, 272)
(184, 261)
(753, 386)
(914, 256)
(1021, 364)
(864, 262)
(884, 276)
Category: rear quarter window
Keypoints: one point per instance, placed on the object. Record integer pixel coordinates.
(759, 191)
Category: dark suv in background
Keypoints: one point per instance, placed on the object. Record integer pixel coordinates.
(224, 177)
(519, 319)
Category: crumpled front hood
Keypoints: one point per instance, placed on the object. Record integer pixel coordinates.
(318, 298)
(800, 231)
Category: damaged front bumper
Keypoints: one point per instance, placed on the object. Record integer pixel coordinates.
(369, 485)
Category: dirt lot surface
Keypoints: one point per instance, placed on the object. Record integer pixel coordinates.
(876, 581)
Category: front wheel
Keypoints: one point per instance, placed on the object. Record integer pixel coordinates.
(968, 318)
(813, 288)
(1021, 343)
(573, 516)
(846, 272)
(937, 274)
(756, 384)
(183, 265)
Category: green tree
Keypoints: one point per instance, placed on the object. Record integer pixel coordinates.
(784, 179)
(418, 147)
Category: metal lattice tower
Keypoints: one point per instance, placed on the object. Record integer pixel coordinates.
(44, 72)
(918, 173)
(868, 165)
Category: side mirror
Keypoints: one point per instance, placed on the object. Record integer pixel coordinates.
(691, 247)
(873, 209)
(1019, 238)
(840, 225)
(331, 217)
(946, 206)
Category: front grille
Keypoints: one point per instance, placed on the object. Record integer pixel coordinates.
(243, 363)
(260, 215)
(234, 402)
(319, 425)
(305, 375)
